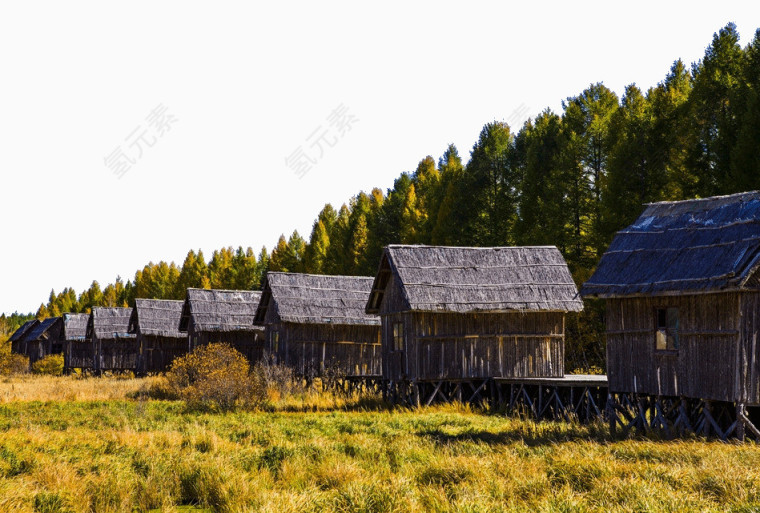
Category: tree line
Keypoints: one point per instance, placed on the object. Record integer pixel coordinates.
(569, 179)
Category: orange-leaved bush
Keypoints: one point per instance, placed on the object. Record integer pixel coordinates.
(214, 376)
(52, 364)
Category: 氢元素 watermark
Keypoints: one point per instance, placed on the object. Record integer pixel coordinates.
(339, 122)
(144, 136)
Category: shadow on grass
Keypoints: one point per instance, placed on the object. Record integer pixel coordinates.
(365, 403)
(529, 433)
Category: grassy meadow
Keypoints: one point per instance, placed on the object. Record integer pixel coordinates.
(83, 445)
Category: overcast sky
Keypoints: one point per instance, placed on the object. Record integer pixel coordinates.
(131, 132)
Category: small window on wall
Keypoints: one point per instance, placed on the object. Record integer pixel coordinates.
(398, 336)
(666, 337)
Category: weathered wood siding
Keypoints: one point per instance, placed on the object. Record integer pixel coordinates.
(78, 354)
(157, 353)
(475, 345)
(750, 348)
(249, 343)
(50, 343)
(116, 354)
(714, 354)
(310, 349)
(37, 349)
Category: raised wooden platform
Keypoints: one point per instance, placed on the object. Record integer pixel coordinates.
(574, 396)
(568, 379)
(678, 416)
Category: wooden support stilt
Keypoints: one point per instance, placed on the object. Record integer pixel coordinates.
(612, 417)
(739, 422)
(711, 424)
(742, 415)
(476, 392)
(435, 393)
(416, 394)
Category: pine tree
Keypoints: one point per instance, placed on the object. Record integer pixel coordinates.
(745, 160)
(635, 176)
(715, 107)
(91, 297)
(221, 270)
(246, 270)
(413, 219)
(262, 265)
(316, 251)
(451, 215)
(671, 133)
(490, 188)
(42, 312)
(584, 156)
(279, 259)
(296, 252)
(537, 152)
(109, 296)
(337, 259)
(194, 271)
(427, 183)
(375, 243)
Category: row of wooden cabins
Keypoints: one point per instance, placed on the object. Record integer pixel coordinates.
(431, 313)
(682, 293)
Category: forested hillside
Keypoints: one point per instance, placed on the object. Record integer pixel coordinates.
(570, 179)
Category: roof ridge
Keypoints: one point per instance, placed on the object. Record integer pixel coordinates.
(484, 248)
(284, 273)
(709, 198)
(221, 290)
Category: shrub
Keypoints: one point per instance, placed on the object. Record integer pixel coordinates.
(213, 376)
(12, 363)
(274, 380)
(52, 364)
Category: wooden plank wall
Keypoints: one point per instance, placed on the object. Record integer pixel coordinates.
(249, 343)
(476, 345)
(78, 354)
(311, 349)
(49, 344)
(157, 353)
(750, 357)
(706, 363)
(116, 354)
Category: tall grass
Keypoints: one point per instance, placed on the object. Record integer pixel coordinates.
(120, 454)
(28, 387)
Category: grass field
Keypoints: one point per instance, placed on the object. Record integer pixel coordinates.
(73, 445)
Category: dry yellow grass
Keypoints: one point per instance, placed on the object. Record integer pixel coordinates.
(28, 387)
(95, 451)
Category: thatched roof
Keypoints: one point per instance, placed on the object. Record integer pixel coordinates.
(109, 323)
(39, 331)
(316, 299)
(23, 330)
(220, 310)
(454, 279)
(158, 317)
(75, 326)
(702, 245)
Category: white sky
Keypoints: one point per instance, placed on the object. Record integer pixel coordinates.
(247, 83)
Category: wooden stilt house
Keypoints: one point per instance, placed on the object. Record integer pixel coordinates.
(211, 316)
(16, 339)
(43, 339)
(460, 313)
(317, 324)
(77, 350)
(682, 292)
(155, 322)
(114, 348)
